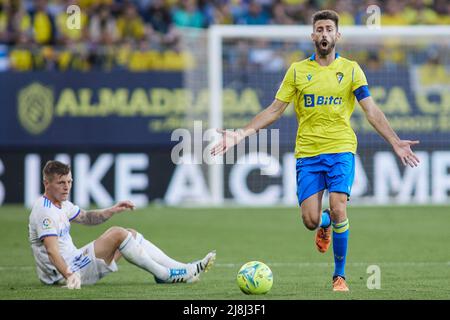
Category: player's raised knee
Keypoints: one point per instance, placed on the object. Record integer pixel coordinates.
(133, 232)
(310, 223)
(118, 232)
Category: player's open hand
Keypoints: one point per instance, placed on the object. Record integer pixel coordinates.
(122, 206)
(229, 139)
(74, 281)
(403, 150)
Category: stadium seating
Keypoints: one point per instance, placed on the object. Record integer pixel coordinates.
(140, 35)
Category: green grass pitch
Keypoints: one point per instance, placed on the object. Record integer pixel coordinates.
(409, 244)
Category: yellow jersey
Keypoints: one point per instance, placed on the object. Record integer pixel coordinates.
(324, 100)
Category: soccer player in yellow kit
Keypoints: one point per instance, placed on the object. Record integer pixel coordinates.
(323, 88)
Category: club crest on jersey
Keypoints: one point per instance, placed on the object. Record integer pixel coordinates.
(309, 76)
(339, 76)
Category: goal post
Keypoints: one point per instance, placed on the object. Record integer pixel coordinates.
(415, 40)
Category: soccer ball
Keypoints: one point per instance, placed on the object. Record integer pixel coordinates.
(255, 277)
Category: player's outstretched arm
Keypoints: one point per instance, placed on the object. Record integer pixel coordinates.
(262, 120)
(94, 217)
(52, 247)
(378, 120)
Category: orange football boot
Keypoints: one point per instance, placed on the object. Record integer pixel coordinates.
(323, 237)
(339, 284)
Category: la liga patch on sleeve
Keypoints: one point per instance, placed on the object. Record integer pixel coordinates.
(47, 223)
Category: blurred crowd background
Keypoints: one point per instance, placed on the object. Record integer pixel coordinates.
(142, 35)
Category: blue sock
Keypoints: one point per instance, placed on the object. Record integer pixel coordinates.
(340, 240)
(325, 220)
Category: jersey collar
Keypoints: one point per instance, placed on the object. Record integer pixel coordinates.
(51, 202)
(313, 57)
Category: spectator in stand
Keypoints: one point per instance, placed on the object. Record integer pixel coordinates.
(279, 15)
(160, 27)
(20, 57)
(237, 8)
(394, 14)
(255, 15)
(15, 23)
(419, 13)
(188, 14)
(103, 27)
(207, 8)
(130, 25)
(43, 23)
(295, 9)
(346, 12)
(442, 8)
(223, 13)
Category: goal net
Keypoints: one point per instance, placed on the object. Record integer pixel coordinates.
(241, 67)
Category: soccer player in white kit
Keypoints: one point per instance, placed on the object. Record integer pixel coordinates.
(58, 261)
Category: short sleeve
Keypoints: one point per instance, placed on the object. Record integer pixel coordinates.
(287, 88)
(71, 210)
(358, 77)
(46, 224)
(360, 87)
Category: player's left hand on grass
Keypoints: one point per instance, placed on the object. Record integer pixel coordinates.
(404, 152)
(74, 281)
(122, 206)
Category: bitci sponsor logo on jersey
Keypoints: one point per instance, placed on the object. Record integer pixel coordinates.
(311, 100)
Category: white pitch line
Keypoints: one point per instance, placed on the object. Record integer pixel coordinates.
(292, 265)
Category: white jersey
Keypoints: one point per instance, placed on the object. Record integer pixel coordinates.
(47, 219)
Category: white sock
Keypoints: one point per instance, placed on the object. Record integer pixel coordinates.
(136, 254)
(157, 254)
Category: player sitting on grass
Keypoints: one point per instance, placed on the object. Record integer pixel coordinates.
(323, 88)
(60, 262)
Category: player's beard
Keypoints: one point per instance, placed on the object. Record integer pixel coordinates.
(324, 51)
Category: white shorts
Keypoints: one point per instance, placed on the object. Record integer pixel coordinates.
(90, 267)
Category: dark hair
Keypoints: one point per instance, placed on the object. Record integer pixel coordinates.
(326, 15)
(53, 168)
